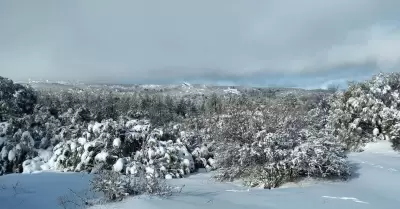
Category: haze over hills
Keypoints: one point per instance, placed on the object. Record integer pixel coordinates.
(184, 89)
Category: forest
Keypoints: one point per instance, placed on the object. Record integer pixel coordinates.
(263, 138)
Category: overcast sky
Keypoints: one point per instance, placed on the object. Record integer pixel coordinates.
(307, 43)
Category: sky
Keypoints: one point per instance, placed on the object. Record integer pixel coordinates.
(302, 43)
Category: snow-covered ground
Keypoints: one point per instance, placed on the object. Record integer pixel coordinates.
(375, 184)
(39, 190)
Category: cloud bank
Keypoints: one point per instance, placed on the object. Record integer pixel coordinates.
(253, 42)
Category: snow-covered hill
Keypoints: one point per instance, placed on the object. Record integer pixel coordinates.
(185, 89)
(375, 184)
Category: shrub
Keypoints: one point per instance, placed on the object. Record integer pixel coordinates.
(115, 186)
(368, 111)
(15, 99)
(274, 145)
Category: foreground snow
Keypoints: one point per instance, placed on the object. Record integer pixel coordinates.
(38, 190)
(375, 184)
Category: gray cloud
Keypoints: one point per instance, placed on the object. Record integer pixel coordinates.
(112, 41)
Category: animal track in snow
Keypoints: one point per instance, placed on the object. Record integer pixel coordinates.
(379, 166)
(346, 198)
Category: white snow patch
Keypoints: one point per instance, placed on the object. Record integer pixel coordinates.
(40, 189)
(232, 91)
(149, 170)
(186, 162)
(117, 142)
(82, 141)
(346, 198)
(211, 162)
(119, 165)
(131, 169)
(168, 176)
(4, 153)
(376, 132)
(11, 155)
(90, 127)
(97, 127)
(31, 166)
(234, 190)
(201, 192)
(303, 183)
(101, 157)
(58, 151)
(151, 86)
(381, 147)
(176, 127)
(45, 167)
(140, 128)
(44, 155)
(73, 146)
(131, 123)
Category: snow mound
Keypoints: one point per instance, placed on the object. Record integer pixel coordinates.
(31, 166)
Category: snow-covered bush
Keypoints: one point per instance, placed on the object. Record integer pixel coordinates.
(164, 155)
(367, 111)
(201, 147)
(78, 145)
(272, 145)
(26, 136)
(111, 145)
(15, 99)
(115, 186)
(129, 133)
